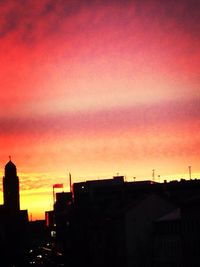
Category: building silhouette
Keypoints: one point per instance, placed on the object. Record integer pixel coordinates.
(13, 221)
(11, 188)
(116, 223)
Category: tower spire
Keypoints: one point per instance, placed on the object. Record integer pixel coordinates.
(11, 187)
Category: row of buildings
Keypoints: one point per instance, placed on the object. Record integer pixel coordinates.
(116, 223)
(108, 222)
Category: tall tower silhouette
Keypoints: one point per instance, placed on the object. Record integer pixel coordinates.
(11, 188)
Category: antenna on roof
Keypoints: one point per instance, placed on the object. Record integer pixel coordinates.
(153, 175)
(190, 172)
(9, 158)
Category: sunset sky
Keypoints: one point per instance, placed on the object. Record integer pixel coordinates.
(96, 88)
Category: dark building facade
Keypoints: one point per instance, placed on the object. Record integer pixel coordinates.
(11, 187)
(116, 223)
(14, 235)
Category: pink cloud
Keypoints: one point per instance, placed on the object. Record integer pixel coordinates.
(97, 59)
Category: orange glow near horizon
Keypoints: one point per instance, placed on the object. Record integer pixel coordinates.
(96, 89)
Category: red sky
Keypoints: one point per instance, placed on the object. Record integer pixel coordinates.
(97, 88)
